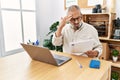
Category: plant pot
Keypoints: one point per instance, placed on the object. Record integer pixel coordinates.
(115, 58)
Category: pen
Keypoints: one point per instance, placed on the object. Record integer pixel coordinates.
(37, 42)
(80, 65)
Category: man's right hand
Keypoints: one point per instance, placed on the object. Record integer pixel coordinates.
(65, 20)
(62, 24)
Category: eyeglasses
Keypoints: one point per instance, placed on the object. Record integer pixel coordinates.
(74, 19)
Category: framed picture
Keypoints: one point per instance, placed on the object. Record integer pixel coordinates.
(84, 3)
(70, 2)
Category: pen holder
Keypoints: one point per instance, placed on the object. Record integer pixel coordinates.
(94, 64)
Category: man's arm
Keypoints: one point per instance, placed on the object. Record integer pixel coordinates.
(97, 50)
(62, 24)
(57, 37)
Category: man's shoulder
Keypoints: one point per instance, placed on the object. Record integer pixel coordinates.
(86, 24)
(89, 28)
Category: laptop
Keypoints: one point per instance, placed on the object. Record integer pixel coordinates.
(44, 55)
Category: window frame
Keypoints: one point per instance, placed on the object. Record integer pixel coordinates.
(2, 42)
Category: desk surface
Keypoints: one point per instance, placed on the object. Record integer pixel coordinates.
(21, 67)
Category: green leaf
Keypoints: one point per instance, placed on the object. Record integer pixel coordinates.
(115, 75)
(53, 27)
(115, 52)
(48, 42)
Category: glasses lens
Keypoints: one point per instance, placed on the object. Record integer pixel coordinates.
(74, 19)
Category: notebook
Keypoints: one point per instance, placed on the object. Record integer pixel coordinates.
(44, 55)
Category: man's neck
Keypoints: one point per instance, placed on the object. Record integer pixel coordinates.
(78, 27)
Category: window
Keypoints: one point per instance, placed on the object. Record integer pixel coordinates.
(18, 21)
(12, 29)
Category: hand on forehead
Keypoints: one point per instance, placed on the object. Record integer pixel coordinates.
(74, 14)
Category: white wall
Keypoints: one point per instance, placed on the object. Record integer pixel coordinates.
(118, 8)
(49, 11)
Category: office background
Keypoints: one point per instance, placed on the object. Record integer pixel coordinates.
(52, 12)
(46, 12)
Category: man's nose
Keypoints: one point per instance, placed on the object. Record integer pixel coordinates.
(76, 21)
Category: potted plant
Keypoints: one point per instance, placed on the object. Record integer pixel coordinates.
(48, 42)
(114, 75)
(115, 54)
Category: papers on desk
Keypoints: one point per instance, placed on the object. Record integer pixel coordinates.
(78, 48)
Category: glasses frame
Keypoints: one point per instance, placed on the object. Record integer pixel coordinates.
(74, 19)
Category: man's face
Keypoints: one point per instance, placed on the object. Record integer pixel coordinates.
(76, 18)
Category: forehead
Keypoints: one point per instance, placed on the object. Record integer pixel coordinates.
(74, 13)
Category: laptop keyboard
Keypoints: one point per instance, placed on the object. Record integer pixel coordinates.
(59, 61)
(59, 57)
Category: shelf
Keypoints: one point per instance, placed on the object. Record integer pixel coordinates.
(106, 19)
(107, 39)
(97, 14)
(115, 64)
(99, 20)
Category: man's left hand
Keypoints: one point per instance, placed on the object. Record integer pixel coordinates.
(92, 53)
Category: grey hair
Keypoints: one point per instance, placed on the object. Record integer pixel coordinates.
(72, 7)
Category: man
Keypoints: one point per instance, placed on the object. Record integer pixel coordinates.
(75, 31)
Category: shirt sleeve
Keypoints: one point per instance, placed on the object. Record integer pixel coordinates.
(98, 46)
(99, 49)
(57, 41)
